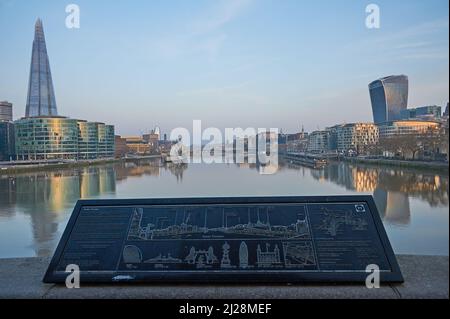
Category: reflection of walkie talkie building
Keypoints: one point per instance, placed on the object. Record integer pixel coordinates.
(391, 188)
(393, 206)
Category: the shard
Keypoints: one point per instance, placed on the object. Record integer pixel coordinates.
(41, 95)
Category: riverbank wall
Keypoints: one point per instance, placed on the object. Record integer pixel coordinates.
(425, 277)
(16, 169)
(435, 166)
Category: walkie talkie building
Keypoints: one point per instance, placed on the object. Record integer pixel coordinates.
(389, 97)
(41, 95)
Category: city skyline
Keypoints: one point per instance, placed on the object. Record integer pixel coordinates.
(212, 61)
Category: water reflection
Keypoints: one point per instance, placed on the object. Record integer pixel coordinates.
(44, 196)
(390, 187)
(149, 168)
(47, 198)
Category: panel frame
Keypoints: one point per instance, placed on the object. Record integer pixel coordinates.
(261, 276)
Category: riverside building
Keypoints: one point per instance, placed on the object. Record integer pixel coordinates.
(44, 135)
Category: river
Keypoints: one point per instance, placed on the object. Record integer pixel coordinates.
(35, 207)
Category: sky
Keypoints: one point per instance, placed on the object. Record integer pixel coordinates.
(229, 63)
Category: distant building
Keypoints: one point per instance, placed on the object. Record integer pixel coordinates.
(121, 147)
(356, 137)
(297, 142)
(7, 141)
(7, 148)
(407, 127)
(432, 113)
(137, 145)
(152, 139)
(333, 137)
(318, 142)
(446, 112)
(389, 96)
(165, 146)
(6, 111)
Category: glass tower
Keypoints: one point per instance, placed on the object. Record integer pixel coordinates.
(389, 96)
(41, 96)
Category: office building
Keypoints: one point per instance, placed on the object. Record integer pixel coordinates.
(137, 145)
(152, 139)
(6, 111)
(45, 138)
(318, 142)
(432, 113)
(49, 138)
(356, 137)
(389, 96)
(121, 147)
(407, 127)
(7, 145)
(41, 95)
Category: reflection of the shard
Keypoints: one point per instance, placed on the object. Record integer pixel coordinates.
(44, 196)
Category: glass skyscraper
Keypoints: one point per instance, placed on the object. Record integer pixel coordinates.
(41, 95)
(42, 134)
(389, 96)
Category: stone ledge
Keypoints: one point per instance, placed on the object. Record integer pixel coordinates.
(425, 277)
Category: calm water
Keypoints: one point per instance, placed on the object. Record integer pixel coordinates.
(35, 207)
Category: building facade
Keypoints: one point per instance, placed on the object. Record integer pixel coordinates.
(7, 141)
(41, 95)
(48, 138)
(389, 96)
(121, 147)
(356, 137)
(410, 127)
(153, 140)
(6, 111)
(432, 113)
(136, 145)
(87, 140)
(318, 142)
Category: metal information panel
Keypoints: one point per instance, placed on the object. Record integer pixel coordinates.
(281, 239)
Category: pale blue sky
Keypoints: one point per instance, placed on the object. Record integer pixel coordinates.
(258, 63)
